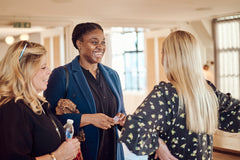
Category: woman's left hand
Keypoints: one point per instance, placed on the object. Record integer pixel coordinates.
(121, 119)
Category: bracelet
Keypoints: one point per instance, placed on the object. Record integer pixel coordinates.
(52, 156)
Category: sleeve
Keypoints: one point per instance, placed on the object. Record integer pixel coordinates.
(56, 90)
(15, 136)
(229, 111)
(141, 130)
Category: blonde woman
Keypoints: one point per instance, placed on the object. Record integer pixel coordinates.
(184, 113)
(28, 129)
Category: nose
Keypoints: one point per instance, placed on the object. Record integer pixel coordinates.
(49, 71)
(101, 46)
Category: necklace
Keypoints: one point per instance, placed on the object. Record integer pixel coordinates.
(53, 122)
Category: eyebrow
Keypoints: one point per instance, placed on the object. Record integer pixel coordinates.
(96, 39)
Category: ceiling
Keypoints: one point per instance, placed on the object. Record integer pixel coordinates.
(152, 14)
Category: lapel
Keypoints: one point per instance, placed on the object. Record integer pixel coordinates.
(82, 83)
(109, 76)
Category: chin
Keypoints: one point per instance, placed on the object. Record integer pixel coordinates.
(99, 60)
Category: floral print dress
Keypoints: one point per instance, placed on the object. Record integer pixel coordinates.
(159, 116)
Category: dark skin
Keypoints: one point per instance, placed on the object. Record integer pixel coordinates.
(91, 50)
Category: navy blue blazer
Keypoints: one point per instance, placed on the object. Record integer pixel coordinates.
(80, 93)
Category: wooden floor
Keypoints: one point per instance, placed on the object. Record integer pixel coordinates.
(218, 155)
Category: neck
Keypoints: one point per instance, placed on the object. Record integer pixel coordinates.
(91, 67)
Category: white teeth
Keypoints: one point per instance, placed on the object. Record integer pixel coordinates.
(99, 53)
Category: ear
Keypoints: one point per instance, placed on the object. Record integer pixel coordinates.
(79, 44)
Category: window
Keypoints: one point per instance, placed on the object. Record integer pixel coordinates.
(128, 57)
(227, 44)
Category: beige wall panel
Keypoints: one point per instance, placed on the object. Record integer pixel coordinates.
(56, 51)
(151, 76)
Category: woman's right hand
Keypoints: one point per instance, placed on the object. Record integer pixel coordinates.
(99, 120)
(68, 150)
(163, 152)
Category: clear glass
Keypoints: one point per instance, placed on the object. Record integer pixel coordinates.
(128, 57)
(130, 41)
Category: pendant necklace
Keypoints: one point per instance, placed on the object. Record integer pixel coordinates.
(53, 122)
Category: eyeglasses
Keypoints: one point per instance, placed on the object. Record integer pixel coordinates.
(22, 51)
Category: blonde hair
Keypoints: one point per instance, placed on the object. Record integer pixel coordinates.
(182, 64)
(17, 72)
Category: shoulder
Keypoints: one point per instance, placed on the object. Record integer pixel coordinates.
(12, 105)
(14, 109)
(165, 86)
(57, 71)
(167, 91)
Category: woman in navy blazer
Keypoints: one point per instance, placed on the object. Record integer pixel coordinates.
(96, 90)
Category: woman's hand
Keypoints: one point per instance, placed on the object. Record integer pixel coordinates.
(99, 120)
(68, 150)
(121, 119)
(163, 152)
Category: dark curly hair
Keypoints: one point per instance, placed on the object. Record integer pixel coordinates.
(82, 29)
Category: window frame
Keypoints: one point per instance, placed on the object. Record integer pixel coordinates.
(219, 50)
(137, 52)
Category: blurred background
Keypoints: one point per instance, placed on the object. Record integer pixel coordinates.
(134, 31)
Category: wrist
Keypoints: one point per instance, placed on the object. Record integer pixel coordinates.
(86, 120)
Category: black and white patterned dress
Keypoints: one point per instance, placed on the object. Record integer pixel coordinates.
(158, 116)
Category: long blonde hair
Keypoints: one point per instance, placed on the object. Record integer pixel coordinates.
(17, 72)
(182, 64)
